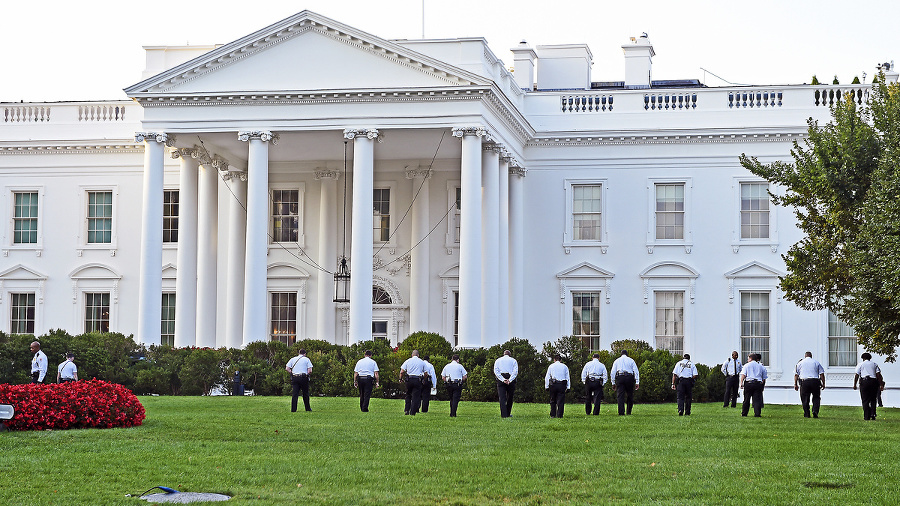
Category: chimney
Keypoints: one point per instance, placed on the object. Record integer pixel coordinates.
(638, 57)
(523, 65)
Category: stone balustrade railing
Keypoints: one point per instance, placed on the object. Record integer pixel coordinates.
(68, 112)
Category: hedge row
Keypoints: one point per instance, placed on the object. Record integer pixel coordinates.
(200, 371)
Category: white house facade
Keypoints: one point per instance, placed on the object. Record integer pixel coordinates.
(213, 208)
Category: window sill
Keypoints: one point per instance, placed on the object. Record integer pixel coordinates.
(773, 245)
(38, 249)
(111, 248)
(568, 245)
(687, 245)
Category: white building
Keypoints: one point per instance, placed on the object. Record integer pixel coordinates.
(216, 198)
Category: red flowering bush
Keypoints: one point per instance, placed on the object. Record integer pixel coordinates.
(71, 405)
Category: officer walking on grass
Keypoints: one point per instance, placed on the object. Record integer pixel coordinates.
(454, 374)
(626, 378)
(365, 374)
(594, 376)
(506, 370)
(414, 369)
(300, 368)
(809, 379)
(683, 377)
(868, 375)
(753, 380)
(557, 382)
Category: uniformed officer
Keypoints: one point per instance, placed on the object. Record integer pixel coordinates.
(557, 382)
(300, 368)
(429, 381)
(365, 374)
(626, 378)
(454, 374)
(414, 369)
(753, 380)
(38, 363)
(683, 377)
(731, 369)
(868, 375)
(809, 379)
(506, 370)
(594, 376)
(67, 371)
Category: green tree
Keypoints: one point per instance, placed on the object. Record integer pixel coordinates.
(847, 262)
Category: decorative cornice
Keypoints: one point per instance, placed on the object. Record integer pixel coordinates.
(262, 135)
(607, 140)
(184, 152)
(160, 137)
(369, 133)
(422, 172)
(80, 149)
(228, 175)
(477, 131)
(328, 174)
(202, 156)
(517, 171)
(492, 147)
(220, 163)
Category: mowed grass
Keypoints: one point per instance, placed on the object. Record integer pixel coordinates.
(254, 449)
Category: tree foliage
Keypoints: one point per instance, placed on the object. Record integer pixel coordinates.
(843, 186)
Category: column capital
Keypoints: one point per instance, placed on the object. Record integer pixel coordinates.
(369, 133)
(202, 156)
(263, 135)
(328, 174)
(228, 175)
(492, 147)
(184, 152)
(160, 137)
(517, 171)
(421, 172)
(472, 130)
(219, 163)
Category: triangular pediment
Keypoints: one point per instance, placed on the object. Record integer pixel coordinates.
(754, 270)
(20, 272)
(584, 270)
(169, 271)
(669, 270)
(305, 52)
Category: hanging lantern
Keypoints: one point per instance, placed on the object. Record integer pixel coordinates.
(342, 282)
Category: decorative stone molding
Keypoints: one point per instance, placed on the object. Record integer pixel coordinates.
(390, 288)
(228, 175)
(160, 137)
(219, 163)
(202, 156)
(80, 149)
(328, 174)
(472, 130)
(184, 152)
(517, 171)
(665, 139)
(369, 133)
(421, 172)
(262, 135)
(492, 147)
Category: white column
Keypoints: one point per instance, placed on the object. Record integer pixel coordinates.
(362, 233)
(490, 243)
(420, 269)
(186, 260)
(150, 301)
(255, 295)
(516, 252)
(207, 252)
(503, 253)
(470, 237)
(237, 244)
(328, 237)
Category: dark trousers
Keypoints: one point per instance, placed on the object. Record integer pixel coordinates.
(34, 377)
(593, 396)
(300, 383)
(455, 391)
(365, 391)
(810, 387)
(753, 390)
(413, 395)
(868, 392)
(685, 391)
(505, 395)
(732, 384)
(426, 395)
(625, 392)
(557, 399)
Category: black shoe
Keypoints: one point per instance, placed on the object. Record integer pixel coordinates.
(815, 415)
(805, 415)
(680, 413)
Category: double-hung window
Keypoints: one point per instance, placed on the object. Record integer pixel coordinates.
(755, 324)
(99, 217)
(96, 312)
(670, 211)
(754, 210)
(382, 216)
(22, 313)
(285, 216)
(842, 349)
(25, 218)
(170, 216)
(167, 320)
(670, 321)
(586, 318)
(284, 317)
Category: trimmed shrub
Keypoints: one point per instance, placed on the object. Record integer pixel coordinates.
(72, 405)
(428, 343)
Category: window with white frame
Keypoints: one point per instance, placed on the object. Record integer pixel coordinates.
(586, 318)
(842, 347)
(457, 216)
(284, 317)
(669, 211)
(99, 217)
(456, 318)
(586, 212)
(96, 312)
(25, 217)
(285, 215)
(379, 330)
(22, 314)
(670, 321)
(754, 210)
(170, 216)
(755, 324)
(382, 216)
(167, 320)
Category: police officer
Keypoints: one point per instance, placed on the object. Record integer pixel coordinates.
(731, 369)
(454, 374)
(868, 375)
(414, 369)
(300, 368)
(67, 371)
(38, 363)
(557, 382)
(809, 379)
(506, 370)
(429, 381)
(753, 380)
(594, 376)
(683, 377)
(365, 374)
(626, 378)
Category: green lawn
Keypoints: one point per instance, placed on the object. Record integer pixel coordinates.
(255, 450)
